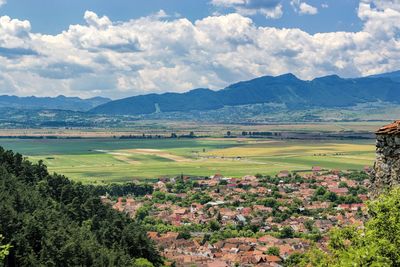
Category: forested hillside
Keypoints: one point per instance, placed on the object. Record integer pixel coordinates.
(51, 221)
(295, 94)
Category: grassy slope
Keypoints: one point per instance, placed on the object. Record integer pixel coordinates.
(79, 159)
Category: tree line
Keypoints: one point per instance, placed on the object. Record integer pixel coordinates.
(48, 220)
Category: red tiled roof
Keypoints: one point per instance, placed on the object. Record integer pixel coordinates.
(393, 128)
(272, 258)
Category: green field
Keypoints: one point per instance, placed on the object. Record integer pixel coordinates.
(114, 160)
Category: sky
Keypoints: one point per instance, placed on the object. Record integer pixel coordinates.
(123, 48)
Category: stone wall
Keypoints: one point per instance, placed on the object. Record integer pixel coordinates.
(387, 164)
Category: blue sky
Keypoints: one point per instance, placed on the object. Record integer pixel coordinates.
(122, 48)
(54, 16)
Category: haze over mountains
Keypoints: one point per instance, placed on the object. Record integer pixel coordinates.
(60, 102)
(284, 90)
(329, 91)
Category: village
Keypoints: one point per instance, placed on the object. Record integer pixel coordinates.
(254, 220)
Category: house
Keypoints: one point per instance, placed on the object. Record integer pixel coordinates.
(262, 208)
(272, 259)
(241, 219)
(160, 185)
(351, 207)
(339, 191)
(153, 235)
(217, 177)
(217, 263)
(316, 169)
(250, 178)
(180, 211)
(269, 240)
(283, 174)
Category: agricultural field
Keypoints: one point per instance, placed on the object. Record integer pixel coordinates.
(103, 160)
(165, 128)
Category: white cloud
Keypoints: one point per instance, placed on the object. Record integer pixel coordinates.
(269, 8)
(303, 8)
(93, 20)
(307, 9)
(155, 54)
(380, 17)
(3, 2)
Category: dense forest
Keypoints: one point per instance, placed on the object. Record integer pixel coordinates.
(48, 220)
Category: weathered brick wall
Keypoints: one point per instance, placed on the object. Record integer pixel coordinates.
(387, 163)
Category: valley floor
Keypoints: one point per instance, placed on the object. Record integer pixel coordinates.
(115, 160)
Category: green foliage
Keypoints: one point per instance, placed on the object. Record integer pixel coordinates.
(358, 176)
(184, 234)
(141, 262)
(116, 190)
(142, 213)
(4, 250)
(270, 202)
(294, 260)
(376, 245)
(273, 251)
(287, 232)
(214, 225)
(309, 225)
(321, 194)
(50, 221)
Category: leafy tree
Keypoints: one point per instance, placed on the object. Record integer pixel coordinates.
(287, 232)
(271, 202)
(142, 213)
(184, 234)
(4, 250)
(309, 225)
(49, 220)
(141, 262)
(376, 245)
(273, 251)
(294, 260)
(213, 225)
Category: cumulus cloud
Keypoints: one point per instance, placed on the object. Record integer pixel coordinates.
(307, 9)
(380, 17)
(160, 53)
(93, 20)
(303, 8)
(269, 8)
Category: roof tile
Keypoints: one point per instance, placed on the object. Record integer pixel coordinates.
(392, 128)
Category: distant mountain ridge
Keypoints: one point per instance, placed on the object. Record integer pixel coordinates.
(60, 102)
(329, 91)
(395, 76)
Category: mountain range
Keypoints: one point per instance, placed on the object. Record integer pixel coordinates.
(60, 102)
(285, 90)
(296, 94)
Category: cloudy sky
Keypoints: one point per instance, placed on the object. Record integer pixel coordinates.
(122, 48)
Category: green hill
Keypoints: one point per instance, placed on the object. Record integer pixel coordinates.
(50, 221)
